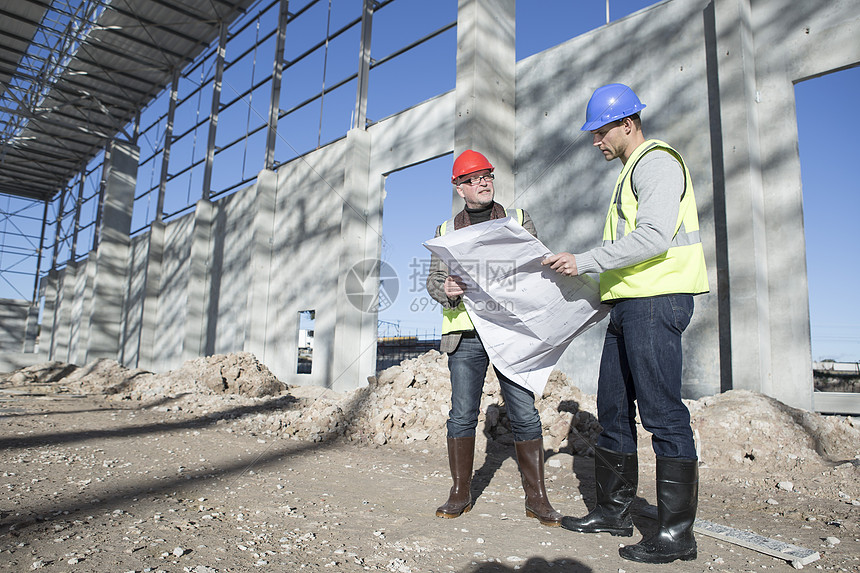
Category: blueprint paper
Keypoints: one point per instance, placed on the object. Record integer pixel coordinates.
(526, 314)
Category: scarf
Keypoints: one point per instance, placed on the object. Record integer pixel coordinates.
(462, 218)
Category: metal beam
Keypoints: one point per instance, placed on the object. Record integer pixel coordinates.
(59, 229)
(39, 252)
(213, 115)
(168, 139)
(275, 99)
(77, 219)
(360, 114)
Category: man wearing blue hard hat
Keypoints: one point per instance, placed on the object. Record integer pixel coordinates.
(651, 264)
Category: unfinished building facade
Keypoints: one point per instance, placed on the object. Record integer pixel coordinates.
(237, 266)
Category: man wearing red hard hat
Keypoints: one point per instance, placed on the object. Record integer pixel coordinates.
(651, 264)
(472, 177)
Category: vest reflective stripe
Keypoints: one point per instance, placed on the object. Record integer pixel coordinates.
(681, 269)
(457, 319)
(680, 240)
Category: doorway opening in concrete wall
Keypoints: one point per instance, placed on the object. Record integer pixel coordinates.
(827, 124)
(305, 344)
(416, 200)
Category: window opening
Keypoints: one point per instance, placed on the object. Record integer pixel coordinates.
(828, 184)
(305, 354)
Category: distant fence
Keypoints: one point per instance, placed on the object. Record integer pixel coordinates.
(836, 376)
(391, 350)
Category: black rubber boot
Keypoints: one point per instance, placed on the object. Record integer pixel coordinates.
(677, 501)
(530, 458)
(461, 455)
(617, 477)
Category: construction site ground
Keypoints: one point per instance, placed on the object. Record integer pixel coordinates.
(111, 481)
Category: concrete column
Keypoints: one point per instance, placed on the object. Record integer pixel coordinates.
(63, 313)
(748, 319)
(196, 318)
(355, 329)
(112, 254)
(788, 54)
(149, 325)
(31, 329)
(81, 309)
(49, 318)
(257, 335)
(486, 89)
(87, 304)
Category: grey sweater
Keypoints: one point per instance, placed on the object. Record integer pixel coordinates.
(658, 181)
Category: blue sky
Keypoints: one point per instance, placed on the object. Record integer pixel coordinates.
(830, 186)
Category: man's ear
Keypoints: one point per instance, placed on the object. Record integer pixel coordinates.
(459, 192)
(628, 125)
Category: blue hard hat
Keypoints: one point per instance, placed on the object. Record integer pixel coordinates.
(610, 103)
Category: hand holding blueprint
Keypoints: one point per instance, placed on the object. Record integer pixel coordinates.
(526, 314)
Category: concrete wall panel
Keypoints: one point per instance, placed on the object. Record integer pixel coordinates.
(13, 324)
(423, 132)
(305, 262)
(77, 346)
(231, 250)
(134, 300)
(172, 301)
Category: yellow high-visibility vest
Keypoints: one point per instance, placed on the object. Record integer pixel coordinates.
(681, 269)
(457, 319)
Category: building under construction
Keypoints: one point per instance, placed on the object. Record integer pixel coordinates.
(191, 183)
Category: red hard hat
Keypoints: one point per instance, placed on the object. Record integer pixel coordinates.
(468, 162)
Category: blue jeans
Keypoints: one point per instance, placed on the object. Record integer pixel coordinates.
(641, 362)
(468, 367)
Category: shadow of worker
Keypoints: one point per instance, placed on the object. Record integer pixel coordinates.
(500, 447)
(534, 565)
(582, 438)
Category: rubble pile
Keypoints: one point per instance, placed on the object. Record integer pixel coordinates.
(744, 428)
(409, 403)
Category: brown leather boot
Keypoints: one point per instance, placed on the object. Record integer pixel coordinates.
(461, 454)
(530, 459)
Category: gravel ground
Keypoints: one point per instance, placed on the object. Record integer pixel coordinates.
(108, 482)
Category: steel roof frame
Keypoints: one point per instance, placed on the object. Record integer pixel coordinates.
(74, 74)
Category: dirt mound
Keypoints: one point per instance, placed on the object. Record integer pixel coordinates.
(104, 376)
(238, 373)
(744, 428)
(409, 403)
(222, 374)
(44, 373)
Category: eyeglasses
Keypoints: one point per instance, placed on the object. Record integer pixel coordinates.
(475, 180)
